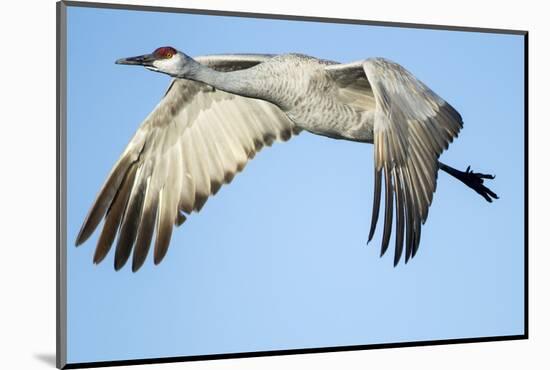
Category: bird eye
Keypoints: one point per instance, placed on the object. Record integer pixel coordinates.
(169, 55)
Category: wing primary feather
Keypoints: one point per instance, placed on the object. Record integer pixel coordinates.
(180, 218)
(388, 216)
(130, 221)
(165, 224)
(146, 228)
(416, 239)
(399, 205)
(409, 214)
(376, 202)
(417, 199)
(114, 216)
(104, 199)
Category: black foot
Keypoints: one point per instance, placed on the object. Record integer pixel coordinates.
(475, 181)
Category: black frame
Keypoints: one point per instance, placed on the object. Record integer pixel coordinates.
(61, 271)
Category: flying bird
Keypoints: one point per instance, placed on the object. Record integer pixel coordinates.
(220, 110)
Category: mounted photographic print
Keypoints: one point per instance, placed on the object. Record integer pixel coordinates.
(237, 185)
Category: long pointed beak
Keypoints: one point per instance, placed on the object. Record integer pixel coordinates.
(141, 60)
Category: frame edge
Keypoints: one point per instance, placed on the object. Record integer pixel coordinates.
(291, 17)
(61, 170)
(61, 161)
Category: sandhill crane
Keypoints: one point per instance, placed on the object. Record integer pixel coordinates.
(219, 111)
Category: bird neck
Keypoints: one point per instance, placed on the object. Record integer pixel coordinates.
(240, 82)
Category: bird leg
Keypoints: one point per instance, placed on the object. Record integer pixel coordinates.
(473, 180)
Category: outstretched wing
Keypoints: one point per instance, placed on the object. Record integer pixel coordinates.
(194, 141)
(412, 127)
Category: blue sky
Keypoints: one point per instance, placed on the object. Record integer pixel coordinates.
(277, 259)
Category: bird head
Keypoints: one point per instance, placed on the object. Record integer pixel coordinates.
(165, 59)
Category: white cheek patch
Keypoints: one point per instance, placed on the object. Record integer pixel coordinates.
(166, 65)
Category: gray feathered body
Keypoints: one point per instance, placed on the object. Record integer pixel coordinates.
(300, 86)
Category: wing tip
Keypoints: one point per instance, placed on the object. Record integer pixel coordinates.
(158, 258)
(78, 242)
(98, 258)
(136, 265)
(118, 264)
(83, 234)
